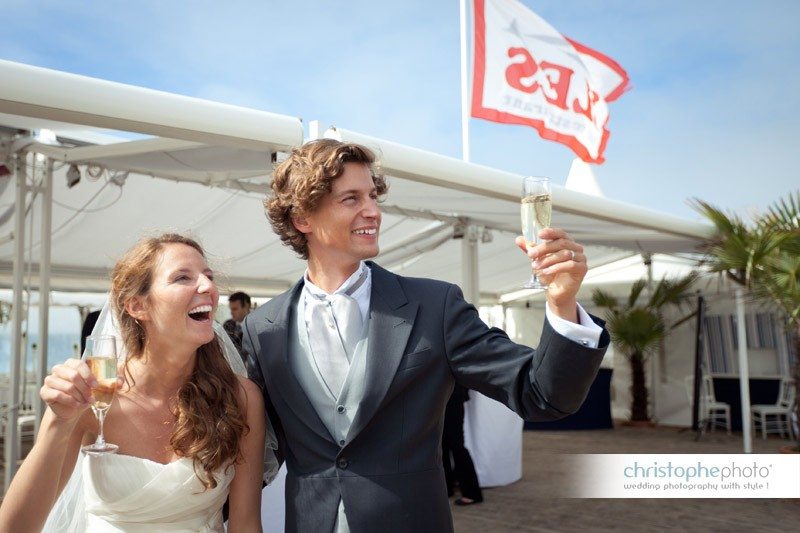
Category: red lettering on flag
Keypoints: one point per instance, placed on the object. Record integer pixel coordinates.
(525, 72)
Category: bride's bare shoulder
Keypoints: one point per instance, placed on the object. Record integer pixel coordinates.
(248, 389)
(250, 396)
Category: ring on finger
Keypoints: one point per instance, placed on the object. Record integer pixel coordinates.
(572, 255)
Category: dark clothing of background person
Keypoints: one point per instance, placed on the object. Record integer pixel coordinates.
(88, 325)
(234, 331)
(461, 470)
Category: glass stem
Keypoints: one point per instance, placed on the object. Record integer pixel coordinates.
(534, 278)
(100, 442)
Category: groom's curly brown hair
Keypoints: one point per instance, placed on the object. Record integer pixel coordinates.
(301, 181)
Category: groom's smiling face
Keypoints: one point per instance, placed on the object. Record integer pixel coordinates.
(344, 228)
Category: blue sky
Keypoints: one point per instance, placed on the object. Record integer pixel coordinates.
(712, 113)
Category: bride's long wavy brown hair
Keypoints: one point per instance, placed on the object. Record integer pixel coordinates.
(210, 422)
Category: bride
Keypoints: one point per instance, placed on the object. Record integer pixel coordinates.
(190, 432)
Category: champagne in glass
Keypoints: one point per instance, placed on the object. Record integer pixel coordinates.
(101, 357)
(105, 370)
(535, 209)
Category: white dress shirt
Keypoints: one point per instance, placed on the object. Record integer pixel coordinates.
(361, 295)
(586, 333)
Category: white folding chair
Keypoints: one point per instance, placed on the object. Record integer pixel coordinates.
(712, 412)
(718, 413)
(26, 419)
(776, 418)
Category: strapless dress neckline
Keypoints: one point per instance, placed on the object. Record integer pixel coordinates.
(133, 457)
(135, 494)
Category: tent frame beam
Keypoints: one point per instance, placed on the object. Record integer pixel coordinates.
(44, 287)
(11, 443)
(456, 175)
(470, 281)
(87, 275)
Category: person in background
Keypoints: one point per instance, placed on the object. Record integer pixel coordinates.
(239, 304)
(458, 466)
(88, 324)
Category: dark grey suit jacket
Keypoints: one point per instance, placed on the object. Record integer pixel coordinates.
(423, 336)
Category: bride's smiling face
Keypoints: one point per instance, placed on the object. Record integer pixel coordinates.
(182, 299)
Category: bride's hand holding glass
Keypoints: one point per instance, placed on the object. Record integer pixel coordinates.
(68, 390)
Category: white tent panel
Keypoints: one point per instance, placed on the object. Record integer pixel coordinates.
(48, 94)
(229, 219)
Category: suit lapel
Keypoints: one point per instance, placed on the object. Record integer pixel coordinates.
(275, 346)
(391, 321)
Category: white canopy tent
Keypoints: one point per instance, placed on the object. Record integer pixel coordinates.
(204, 167)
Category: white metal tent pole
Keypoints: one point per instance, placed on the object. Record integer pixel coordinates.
(469, 264)
(11, 442)
(44, 286)
(744, 371)
(647, 259)
(464, 84)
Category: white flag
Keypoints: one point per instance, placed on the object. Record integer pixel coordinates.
(525, 72)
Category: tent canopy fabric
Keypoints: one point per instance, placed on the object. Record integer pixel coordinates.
(190, 165)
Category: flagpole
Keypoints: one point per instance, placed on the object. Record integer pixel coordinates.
(464, 84)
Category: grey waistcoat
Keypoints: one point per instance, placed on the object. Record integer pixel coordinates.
(336, 413)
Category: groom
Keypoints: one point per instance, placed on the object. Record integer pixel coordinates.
(356, 363)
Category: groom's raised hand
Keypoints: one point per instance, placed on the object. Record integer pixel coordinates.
(561, 264)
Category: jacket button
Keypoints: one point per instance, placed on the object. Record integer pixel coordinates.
(340, 408)
(341, 463)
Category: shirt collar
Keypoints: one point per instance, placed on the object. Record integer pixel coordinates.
(352, 285)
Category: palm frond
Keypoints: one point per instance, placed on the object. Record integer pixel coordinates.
(726, 225)
(636, 290)
(669, 292)
(638, 330)
(604, 299)
(737, 249)
(781, 282)
(765, 257)
(784, 214)
(682, 320)
(790, 243)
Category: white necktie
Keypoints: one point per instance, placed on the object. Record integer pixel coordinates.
(334, 331)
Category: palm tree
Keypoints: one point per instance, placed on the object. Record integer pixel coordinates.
(637, 329)
(764, 257)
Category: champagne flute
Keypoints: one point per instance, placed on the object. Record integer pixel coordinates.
(536, 209)
(101, 357)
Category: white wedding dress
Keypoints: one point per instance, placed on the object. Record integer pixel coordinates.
(131, 494)
(116, 492)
